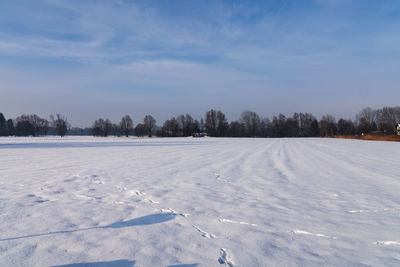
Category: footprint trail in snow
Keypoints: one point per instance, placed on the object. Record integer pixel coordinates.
(225, 258)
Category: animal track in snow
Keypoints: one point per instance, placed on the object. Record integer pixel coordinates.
(97, 180)
(232, 221)
(134, 192)
(203, 233)
(224, 258)
(218, 177)
(121, 188)
(73, 178)
(139, 193)
(387, 243)
(39, 199)
(302, 232)
(87, 197)
(169, 210)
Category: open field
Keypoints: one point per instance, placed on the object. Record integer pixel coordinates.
(199, 202)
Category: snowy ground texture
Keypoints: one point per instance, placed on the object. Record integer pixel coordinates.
(199, 202)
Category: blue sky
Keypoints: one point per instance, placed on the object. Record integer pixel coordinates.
(88, 59)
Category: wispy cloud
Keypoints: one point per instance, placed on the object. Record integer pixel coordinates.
(270, 56)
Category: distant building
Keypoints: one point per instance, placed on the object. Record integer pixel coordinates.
(398, 128)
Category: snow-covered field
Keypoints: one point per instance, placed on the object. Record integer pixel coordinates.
(199, 202)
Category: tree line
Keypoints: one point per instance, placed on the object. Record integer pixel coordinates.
(214, 123)
(33, 125)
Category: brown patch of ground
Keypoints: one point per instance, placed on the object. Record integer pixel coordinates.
(372, 137)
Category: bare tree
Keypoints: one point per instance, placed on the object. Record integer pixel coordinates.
(252, 121)
(211, 122)
(101, 127)
(10, 127)
(236, 129)
(141, 130)
(222, 126)
(327, 126)
(126, 125)
(264, 127)
(149, 122)
(291, 127)
(24, 128)
(40, 126)
(3, 125)
(97, 127)
(278, 126)
(368, 114)
(366, 120)
(170, 128)
(216, 123)
(308, 125)
(60, 123)
(107, 127)
(345, 127)
(187, 125)
(387, 118)
(116, 130)
(202, 127)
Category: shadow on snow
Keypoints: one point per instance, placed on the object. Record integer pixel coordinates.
(145, 220)
(116, 263)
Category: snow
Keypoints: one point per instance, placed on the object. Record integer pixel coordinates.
(198, 202)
